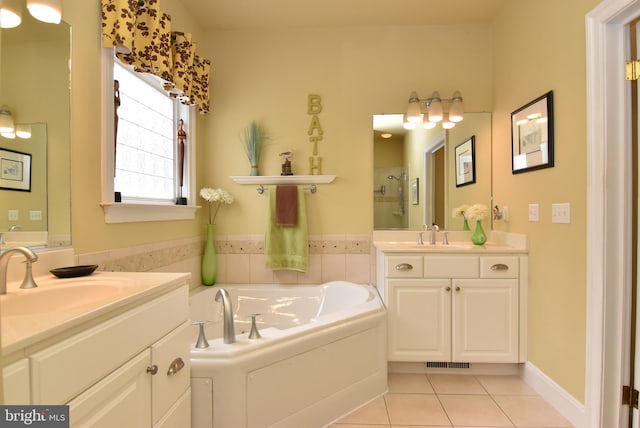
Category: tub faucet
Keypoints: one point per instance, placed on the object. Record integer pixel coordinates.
(227, 314)
(28, 281)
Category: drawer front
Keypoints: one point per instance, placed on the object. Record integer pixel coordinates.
(437, 266)
(65, 369)
(171, 355)
(403, 266)
(499, 267)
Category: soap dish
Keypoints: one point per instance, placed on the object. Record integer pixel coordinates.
(74, 271)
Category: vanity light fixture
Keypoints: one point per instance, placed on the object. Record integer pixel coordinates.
(49, 11)
(6, 120)
(10, 13)
(23, 130)
(449, 111)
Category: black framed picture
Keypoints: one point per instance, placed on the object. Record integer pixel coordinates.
(15, 170)
(465, 158)
(532, 135)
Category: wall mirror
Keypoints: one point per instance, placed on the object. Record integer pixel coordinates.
(401, 156)
(35, 85)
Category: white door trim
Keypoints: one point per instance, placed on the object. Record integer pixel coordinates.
(608, 210)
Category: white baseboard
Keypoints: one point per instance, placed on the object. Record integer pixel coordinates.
(554, 394)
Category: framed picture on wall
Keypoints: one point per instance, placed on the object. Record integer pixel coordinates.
(532, 135)
(465, 158)
(15, 170)
(415, 191)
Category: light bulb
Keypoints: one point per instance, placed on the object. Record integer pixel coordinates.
(49, 11)
(10, 14)
(435, 108)
(456, 111)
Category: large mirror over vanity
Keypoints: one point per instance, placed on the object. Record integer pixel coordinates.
(35, 180)
(415, 178)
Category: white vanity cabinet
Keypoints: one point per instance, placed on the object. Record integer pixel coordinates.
(455, 307)
(129, 368)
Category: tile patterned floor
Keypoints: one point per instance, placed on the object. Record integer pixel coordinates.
(440, 400)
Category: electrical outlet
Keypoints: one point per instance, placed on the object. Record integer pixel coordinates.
(13, 215)
(561, 213)
(534, 212)
(35, 215)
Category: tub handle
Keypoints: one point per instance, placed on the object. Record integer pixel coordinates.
(202, 342)
(175, 366)
(404, 267)
(254, 334)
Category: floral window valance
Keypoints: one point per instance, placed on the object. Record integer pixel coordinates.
(141, 35)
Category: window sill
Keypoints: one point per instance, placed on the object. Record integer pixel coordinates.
(116, 212)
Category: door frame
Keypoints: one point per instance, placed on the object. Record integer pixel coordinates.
(608, 227)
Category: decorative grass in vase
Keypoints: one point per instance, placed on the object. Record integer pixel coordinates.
(252, 140)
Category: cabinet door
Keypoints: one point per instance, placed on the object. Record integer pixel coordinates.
(16, 383)
(419, 319)
(485, 320)
(122, 399)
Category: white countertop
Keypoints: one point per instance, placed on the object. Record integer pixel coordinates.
(406, 241)
(62, 305)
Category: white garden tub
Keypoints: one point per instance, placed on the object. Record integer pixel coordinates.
(321, 355)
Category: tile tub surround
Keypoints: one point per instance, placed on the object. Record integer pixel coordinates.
(453, 400)
(241, 259)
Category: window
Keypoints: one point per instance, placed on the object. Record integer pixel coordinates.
(141, 162)
(145, 143)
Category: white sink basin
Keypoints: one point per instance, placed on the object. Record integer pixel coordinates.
(59, 298)
(56, 301)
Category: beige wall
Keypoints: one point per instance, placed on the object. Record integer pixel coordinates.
(540, 46)
(267, 75)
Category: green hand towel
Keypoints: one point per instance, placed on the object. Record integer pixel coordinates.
(286, 247)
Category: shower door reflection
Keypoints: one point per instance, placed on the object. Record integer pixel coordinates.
(390, 198)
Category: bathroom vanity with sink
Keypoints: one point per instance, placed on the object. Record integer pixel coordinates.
(113, 346)
(454, 303)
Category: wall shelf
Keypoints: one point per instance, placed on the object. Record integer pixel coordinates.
(282, 179)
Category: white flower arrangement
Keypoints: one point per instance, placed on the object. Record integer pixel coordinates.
(460, 211)
(476, 212)
(217, 196)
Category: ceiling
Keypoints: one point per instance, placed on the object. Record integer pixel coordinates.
(212, 15)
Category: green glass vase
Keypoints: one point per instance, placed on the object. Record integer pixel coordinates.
(210, 258)
(478, 237)
(465, 224)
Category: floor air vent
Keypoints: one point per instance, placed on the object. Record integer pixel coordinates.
(446, 365)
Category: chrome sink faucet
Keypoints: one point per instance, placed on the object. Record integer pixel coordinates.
(5, 257)
(432, 235)
(227, 314)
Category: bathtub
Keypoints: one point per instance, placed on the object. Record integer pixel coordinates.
(322, 354)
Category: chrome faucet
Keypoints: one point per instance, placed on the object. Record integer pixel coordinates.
(432, 236)
(227, 314)
(28, 281)
(15, 228)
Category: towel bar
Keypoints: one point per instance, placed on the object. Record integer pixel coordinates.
(260, 189)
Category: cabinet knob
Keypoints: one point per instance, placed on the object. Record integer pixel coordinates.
(448, 288)
(499, 266)
(153, 369)
(404, 266)
(457, 288)
(175, 366)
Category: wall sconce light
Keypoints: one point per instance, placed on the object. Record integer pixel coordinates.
(6, 120)
(23, 130)
(449, 111)
(49, 11)
(10, 13)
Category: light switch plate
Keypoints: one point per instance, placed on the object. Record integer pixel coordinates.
(13, 215)
(35, 215)
(561, 213)
(534, 212)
